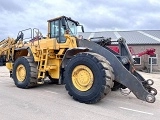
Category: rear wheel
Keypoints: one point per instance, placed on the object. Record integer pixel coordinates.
(25, 72)
(88, 78)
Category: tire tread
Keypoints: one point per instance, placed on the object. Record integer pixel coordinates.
(107, 73)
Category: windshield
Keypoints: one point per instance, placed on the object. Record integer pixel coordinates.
(72, 27)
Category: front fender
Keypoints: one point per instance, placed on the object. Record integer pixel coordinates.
(71, 52)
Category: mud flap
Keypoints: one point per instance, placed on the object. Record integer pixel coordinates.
(122, 75)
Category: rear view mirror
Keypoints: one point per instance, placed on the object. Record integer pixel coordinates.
(82, 28)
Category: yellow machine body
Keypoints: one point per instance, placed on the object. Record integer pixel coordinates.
(49, 51)
(46, 52)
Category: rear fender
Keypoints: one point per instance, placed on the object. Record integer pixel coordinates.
(23, 51)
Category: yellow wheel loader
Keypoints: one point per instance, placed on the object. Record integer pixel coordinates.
(88, 68)
(5, 49)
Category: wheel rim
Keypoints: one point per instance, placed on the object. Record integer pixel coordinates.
(21, 73)
(82, 78)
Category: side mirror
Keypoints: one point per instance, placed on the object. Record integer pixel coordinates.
(82, 28)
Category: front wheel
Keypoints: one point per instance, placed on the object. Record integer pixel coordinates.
(88, 78)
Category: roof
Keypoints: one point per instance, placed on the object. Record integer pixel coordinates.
(68, 18)
(131, 37)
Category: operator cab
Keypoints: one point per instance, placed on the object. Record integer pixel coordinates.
(62, 25)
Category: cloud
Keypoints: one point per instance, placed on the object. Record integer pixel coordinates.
(10, 5)
(95, 15)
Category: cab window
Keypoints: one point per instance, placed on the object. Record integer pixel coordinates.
(57, 31)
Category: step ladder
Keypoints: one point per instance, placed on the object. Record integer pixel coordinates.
(42, 64)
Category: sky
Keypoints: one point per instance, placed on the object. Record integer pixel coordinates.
(94, 15)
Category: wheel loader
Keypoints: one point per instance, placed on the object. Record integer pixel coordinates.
(88, 68)
(4, 47)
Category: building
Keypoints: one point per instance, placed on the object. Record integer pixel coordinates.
(139, 41)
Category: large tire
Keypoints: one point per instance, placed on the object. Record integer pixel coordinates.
(102, 77)
(27, 65)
